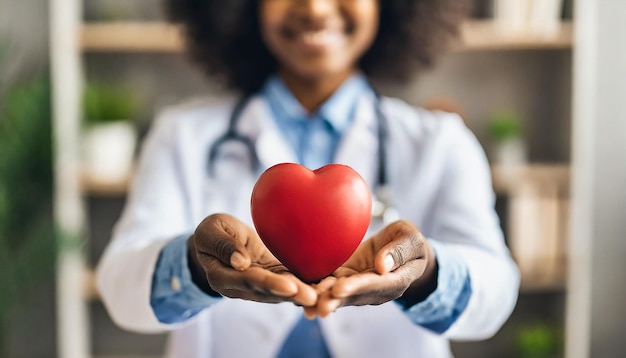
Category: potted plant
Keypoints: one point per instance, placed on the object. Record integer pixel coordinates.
(27, 235)
(539, 340)
(507, 134)
(110, 136)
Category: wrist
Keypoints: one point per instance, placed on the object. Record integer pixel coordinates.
(425, 285)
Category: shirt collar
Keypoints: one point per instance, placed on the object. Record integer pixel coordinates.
(338, 110)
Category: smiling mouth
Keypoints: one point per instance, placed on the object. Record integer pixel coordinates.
(318, 40)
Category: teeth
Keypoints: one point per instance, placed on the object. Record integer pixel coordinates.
(317, 37)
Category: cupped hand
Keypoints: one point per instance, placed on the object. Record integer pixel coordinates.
(235, 263)
(397, 261)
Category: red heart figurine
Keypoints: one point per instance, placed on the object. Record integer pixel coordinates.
(312, 221)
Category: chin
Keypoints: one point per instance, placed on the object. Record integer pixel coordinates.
(313, 71)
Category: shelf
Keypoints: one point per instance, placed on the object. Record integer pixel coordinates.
(485, 35)
(105, 189)
(507, 180)
(95, 187)
(90, 290)
(131, 37)
(164, 37)
(504, 179)
(553, 285)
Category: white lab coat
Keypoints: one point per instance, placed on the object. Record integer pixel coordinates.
(440, 180)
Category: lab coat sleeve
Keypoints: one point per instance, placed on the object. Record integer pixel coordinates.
(175, 297)
(466, 224)
(156, 212)
(443, 306)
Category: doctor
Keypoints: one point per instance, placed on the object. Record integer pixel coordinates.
(184, 257)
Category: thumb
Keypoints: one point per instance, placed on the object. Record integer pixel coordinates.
(406, 244)
(223, 239)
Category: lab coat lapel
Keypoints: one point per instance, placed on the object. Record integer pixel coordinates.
(357, 149)
(359, 146)
(257, 123)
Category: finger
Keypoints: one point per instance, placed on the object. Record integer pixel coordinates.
(328, 304)
(357, 284)
(384, 287)
(306, 295)
(282, 285)
(224, 237)
(224, 279)
(325, 284)
(344, 271)
(321, 288)
(310, 312)
(309, 306)
(406, 243)
(266, 281)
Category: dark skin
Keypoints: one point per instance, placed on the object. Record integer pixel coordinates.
(397, 262)
(228, 258)
(318, 44)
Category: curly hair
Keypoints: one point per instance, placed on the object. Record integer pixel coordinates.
(224, 38)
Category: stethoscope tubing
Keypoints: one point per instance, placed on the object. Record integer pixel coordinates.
(232, 134)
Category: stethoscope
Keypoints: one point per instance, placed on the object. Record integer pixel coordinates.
(383, 212)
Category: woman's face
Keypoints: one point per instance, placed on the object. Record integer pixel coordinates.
(312, 39)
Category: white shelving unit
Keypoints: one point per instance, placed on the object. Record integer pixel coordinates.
(538, 217)
(163, 37)
(485, 35)
(70, 38)
(73, 333)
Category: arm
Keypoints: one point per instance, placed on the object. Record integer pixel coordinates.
(155, 214)
(224, 257)
(466, 224)
(470, 288)
(150, 281)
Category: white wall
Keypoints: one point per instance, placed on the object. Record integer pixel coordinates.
(596, 314)
(24, 29)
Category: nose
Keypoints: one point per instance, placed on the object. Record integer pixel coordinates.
(316, 9)
(317, 6)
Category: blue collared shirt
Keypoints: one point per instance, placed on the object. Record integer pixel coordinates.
(314, 138)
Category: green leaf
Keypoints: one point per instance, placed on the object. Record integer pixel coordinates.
(505, 125)
(109, 103)
(538, 341)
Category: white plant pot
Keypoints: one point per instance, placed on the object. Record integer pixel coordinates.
(511, 16)
(510, 152)
(544, 17)
(540, 18)
(510, 157)
(109, 151)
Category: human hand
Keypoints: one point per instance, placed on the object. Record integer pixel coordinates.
(397, 261)
(228, 257)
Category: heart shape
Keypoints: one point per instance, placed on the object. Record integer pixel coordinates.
(312, 221)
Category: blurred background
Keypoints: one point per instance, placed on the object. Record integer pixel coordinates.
(540, 90)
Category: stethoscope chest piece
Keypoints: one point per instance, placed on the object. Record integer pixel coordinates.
(383, 211)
